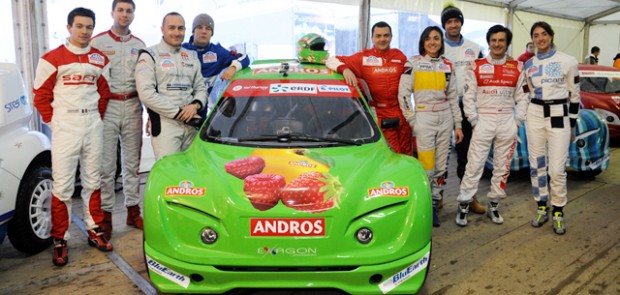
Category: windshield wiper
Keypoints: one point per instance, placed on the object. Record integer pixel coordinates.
(288, 137)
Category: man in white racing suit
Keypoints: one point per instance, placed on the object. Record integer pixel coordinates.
(552, 81)
(489, 100)
(71, 93)
(123, 118)
(171, 86)
(460, 52)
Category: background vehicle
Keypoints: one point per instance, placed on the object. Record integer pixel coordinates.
(25, 173)
(289, 184)
(600, 91)
(588, 154)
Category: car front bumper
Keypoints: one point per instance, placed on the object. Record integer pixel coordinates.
(403, 276)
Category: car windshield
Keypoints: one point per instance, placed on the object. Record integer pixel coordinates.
(291, 121)
(600, 84)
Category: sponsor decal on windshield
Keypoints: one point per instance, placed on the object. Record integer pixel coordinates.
(185, 189)
(293, 88)
(292, 69)
(275, 88)
(609, 74)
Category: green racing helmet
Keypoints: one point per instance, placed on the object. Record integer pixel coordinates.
(311, 49)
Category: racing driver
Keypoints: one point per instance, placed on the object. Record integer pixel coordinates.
(489, 100)
(71, 93)
(123, 116)
(381, 67)
(170, 84)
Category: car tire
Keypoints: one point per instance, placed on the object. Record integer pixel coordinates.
(29, 230)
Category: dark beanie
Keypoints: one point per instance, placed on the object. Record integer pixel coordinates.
(205, 20)
(450, 12)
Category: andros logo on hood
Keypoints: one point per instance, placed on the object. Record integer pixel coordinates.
(185, 189)
(388, 189)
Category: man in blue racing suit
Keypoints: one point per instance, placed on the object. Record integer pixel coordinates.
(213, 57)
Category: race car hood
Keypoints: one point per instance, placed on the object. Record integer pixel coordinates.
(290, 202)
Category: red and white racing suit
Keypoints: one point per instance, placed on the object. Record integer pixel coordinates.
(71, 94)
(489, 100)
(552, 80)
(166, 81)
(123, 118)
(381, 69)
(435, 116)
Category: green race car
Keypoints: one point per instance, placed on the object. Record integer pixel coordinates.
(290, 184)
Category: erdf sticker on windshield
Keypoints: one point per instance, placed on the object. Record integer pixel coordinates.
(167, 273)
(292, 88)
(405, 274)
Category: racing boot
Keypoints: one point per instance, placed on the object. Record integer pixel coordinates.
(476, 207)
(60, 257)
(542, 215)
(97, 239)
(106, 225)
(461, 215)
(559, 227)
(436, 222)
(133, 217)
(493, 213)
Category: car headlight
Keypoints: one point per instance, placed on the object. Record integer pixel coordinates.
(580, 143)
(208, 235)
(608, 116)
(364, 235)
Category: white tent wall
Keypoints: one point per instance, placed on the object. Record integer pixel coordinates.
(607, 38)
(568, 33)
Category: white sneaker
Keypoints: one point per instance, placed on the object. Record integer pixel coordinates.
(493, 213)
(461, 215)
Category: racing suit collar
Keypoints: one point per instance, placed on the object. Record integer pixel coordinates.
(194, 47)
(454, 43)
(75, 49)
(168, 47)
(496, 61)
(380, 52)
(119, 38)
(549, 54)
(432, 59)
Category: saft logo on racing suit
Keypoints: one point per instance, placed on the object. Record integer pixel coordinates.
(287, 227)
(388, 189)
(185, 189)
(292, 88)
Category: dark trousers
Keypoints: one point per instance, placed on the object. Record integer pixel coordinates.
(463, 147)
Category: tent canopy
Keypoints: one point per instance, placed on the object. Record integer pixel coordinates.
(592, 11)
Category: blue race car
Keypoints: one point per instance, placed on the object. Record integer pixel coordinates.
(588, 154)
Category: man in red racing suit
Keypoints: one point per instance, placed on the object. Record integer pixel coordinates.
(381, 67)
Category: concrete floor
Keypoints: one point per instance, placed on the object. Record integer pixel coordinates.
(482, 258)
